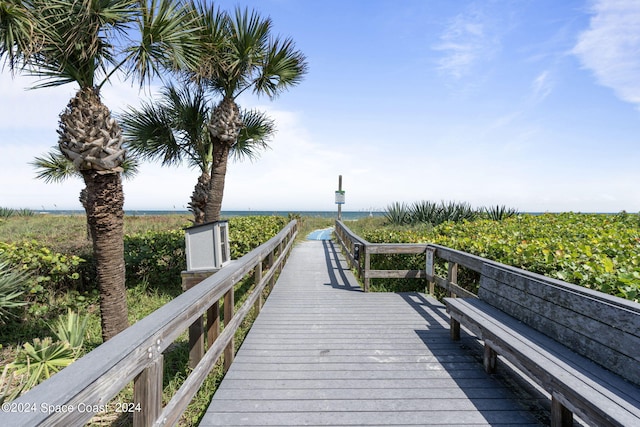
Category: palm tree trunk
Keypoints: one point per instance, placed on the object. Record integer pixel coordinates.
(105, 215)
(224, 127)
(198, 203)
(216, 186)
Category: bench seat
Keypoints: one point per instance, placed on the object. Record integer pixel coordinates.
(576, 384)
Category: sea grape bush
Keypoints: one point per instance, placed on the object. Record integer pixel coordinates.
(48, 269)
(248, 232)
(156, 257)
(601, 252)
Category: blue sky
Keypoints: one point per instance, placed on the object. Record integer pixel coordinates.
(531, 104)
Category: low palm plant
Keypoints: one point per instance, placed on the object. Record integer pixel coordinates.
(425, 212)
(71, 329)
(457, 212)
(39, 360)
(6, 212)
(11, 289)
(9, 390)
(498, 213)
(398, 213)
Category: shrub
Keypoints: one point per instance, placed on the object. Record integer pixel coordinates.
(430, 213)
(248, 232)
(157, 257)
(41, 359)
(597, 251)
(499, 213)
(6, 212)
(48, 270)
(11, 289)
(398, 214)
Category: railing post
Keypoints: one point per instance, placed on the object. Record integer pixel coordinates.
(273, 276)
(147, 394)
(196, 330)
(452, 274)
(257, 279)
(228, 314)
(367, 267)
(213, 323)
(430, 268)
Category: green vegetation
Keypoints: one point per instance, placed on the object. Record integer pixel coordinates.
(42, 337)
(432, 214)
(8, 212)
(598, 251)
(11, 289)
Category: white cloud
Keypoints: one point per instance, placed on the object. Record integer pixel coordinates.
(610, 48)
(469, 38)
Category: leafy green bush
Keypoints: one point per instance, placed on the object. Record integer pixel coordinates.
(48, 270)
(71, 329)
(248, 232)
(601, 252)
(157, 257)
(42, 358)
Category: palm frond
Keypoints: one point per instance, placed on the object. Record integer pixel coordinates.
(149, 135)
(54, 167)
(283, 66)
(169, 32)
(16, 32)
(172, 129)
(256, 132)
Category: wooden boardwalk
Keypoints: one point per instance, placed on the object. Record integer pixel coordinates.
(322, 352)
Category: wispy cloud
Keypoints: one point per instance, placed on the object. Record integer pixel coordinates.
(541, 86)
(610, 48)
(468, 39)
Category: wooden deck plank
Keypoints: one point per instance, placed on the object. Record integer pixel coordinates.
(324, 353)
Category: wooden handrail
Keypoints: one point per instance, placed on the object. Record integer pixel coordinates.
(75, 394)
(348, 241)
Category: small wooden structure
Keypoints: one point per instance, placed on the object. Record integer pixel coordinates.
(207, 246)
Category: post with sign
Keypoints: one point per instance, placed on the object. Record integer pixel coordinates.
(340, 197)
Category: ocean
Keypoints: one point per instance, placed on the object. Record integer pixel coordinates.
(346, 215)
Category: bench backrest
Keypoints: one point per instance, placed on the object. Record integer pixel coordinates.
(603, 328)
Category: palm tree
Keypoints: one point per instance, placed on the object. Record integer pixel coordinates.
(86, 42)
(56, 167)
(174, 129)
(240, 55)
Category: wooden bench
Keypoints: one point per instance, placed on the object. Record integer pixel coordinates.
(581, 346)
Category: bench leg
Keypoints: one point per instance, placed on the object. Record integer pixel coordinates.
(560, 415)
(454, 329)
(490, 359)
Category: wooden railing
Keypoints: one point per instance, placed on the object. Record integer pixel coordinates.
(75, 394)
(358, 253)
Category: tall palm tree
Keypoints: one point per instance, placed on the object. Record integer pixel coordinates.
(86, 42)
(173, 129)
(240, 54)
(56, 167)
